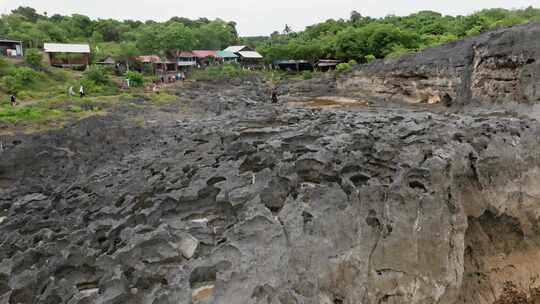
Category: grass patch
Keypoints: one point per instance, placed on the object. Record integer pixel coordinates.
(162, 98)
(27, 114)
(220, 72)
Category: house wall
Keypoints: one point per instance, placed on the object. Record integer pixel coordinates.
(4, 46)
(56, 59)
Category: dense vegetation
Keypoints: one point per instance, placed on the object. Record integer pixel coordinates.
(359, 38)
(364, 38)
(119, 39)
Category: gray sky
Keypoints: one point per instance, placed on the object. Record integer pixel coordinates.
(257, 17)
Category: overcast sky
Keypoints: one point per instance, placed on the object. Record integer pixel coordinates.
(257, 17)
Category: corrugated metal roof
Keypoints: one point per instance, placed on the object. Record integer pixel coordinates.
(327, 62)
(9, 40)
(235, 48)
(148, 59)
(66, 48)
(250, 54)
(226, 54)
(185, 54)
(205, 53)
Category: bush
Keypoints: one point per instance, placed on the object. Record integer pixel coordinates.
(19, 79)
(398, 51)
(369, 58)
(97, 75)
(6, 67)
(20, 114)
(136, 79)
(33, 58)
(10, 85)
(26, 75)
(306, 75)
(352, 62)
(343, 66)
(224, 71)
(91, 87)
(97, 81)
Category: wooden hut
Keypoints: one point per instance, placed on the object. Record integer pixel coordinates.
(247, 56)
(327, 64)
(293, 65)
(67, 55)
(11, 48)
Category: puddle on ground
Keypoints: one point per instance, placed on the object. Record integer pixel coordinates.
(330, 102)
(202, 293)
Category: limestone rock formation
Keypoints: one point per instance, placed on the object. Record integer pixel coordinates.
(499, 66)
(246, 202)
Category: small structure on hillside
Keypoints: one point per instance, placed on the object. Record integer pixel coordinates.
(293, 65)
(205, 57)
(186, 60)
(248, 56)
(109, 61)
(162, 68)
(226, 56)
(11, 48)
(67, 55)
(327, 64)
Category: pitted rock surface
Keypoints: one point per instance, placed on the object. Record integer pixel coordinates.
(239, 201)
(495, 67)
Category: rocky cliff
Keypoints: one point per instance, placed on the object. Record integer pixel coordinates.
(499, 66)
(247, 202)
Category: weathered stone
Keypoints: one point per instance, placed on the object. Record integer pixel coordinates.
(283, 204)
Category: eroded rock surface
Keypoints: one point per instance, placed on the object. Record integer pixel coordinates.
(241, 201)
(499, 66)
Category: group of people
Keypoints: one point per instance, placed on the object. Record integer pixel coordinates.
(82, 91)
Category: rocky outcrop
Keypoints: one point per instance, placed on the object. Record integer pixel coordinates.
(220, 197)
(499, 66)
(360, 205)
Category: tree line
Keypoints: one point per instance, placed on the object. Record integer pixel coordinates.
(119, 39)
(363, 38)
(357, 38)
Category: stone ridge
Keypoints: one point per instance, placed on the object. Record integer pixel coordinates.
(498, 66)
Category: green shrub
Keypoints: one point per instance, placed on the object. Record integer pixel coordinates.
(19, 79)
(398, 51)
(6, 67)
(306, 75)
(20, 114)
(26, 75)
(91, 87)
(97, 75)
(33, 58)
(369, 58)
(75, 109)
(136, 79)
(10, 85)
(352, 62)
(343, 66)
(96, 81)
(223, 71)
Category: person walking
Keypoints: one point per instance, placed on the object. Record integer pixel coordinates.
(13, 100)
(274, 94)
(81, 91)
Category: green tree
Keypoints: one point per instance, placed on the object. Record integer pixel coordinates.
(177, 36)
(126, 53)
(28, 13)
(33, 58)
